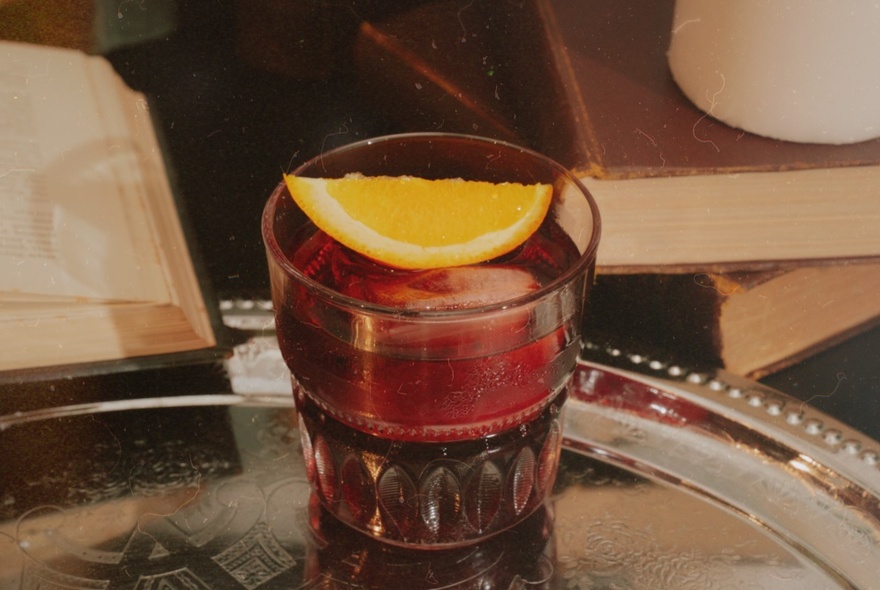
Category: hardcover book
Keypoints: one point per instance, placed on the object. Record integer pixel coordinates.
(587, 83)
(720, 245)
(751, 323)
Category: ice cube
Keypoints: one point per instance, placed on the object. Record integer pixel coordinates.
(333, 265)
(448, 288)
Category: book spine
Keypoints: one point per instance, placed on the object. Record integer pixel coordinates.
(564, 131)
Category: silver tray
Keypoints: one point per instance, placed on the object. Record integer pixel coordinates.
(744, 487)
(671, 479)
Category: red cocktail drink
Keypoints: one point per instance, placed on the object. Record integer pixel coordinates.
(430, 399)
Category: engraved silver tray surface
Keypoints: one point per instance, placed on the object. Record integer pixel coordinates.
(671, 478)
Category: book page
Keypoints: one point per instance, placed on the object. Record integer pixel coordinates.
(157, 198)
(69, 228)
(88, 333)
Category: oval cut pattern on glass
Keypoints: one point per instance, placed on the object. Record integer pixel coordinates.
(397, 501)
(547, 460)
(308, 452)
(440, 493)
(522, 479)
(357, 490)
(482, 496)
(326, 469)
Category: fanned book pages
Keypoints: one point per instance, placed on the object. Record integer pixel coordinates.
(96, 264)
(587, 82)
(750, 323)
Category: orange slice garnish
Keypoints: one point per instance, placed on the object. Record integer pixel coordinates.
(415, 223)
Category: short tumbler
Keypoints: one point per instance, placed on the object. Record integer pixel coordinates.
(432, 425)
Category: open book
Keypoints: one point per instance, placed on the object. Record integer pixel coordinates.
(96, 265)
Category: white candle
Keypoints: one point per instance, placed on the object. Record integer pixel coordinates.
(799, 70)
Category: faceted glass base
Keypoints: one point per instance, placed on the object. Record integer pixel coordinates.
(430, 495)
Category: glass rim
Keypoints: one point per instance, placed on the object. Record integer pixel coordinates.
(342, 300)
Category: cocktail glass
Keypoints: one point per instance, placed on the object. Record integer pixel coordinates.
(430, 401)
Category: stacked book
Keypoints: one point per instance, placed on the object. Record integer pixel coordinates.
(720, 245)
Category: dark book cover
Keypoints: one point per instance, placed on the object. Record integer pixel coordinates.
(631, 118)
(585, 81)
